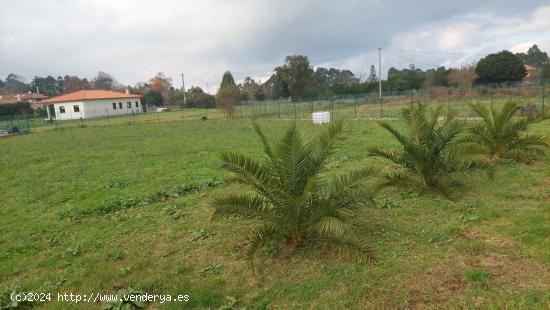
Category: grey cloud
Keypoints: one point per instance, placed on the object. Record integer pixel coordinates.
(134, 39)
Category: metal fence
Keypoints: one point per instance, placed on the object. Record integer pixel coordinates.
(355, 106)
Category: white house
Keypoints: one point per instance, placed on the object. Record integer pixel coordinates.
(93, 103)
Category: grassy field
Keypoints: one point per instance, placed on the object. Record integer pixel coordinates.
(365, 108)
(97, 209)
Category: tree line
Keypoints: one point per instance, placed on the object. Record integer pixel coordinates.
(296, 78)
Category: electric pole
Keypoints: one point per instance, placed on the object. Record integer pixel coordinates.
(380, 79)
(183, 88)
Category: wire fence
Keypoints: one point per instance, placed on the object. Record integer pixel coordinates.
(356, 106)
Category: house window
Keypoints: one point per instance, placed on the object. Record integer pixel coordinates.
(137, 104)
(129, 105)
(114, 105)
(120, 105)
(76, 108)
(61, 109)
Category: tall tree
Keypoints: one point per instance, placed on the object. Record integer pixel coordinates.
(15, 84)
(153, 98)
(103, 80)
(373, 78)
(297, 73)
(228, 94)
(249, 88)
(500, 67)
(437, 77)
(534, 56)
(463, 76)
(47, 86)
(160, 82)
(73, 83)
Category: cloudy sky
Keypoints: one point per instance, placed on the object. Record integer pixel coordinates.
(132, 40)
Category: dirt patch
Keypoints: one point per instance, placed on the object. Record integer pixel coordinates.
(437, 286)
(515, 275)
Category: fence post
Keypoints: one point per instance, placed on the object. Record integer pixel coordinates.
(294, 110)
(381, 108)
(449, 104)
(412, 95)
(355, 104)
(107, 112)
(279, 104)
(492, 99)
(543, 93)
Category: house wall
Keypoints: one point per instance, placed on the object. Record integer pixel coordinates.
(97, 108)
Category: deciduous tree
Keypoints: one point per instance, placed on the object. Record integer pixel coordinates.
(160, 83)
(297, 73)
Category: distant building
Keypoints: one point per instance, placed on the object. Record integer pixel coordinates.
(93, 103)
(32, 98)
(530, 73)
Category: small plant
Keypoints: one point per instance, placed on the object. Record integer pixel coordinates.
(478, 276)
(6, 301)
(293, 201)
(431, 150)
(503, 135)
(75, 250)
(212, 269)
(231, 303)
(270, 250)
(173, 212)
(200, 234)
(185, 189)
(124, 302)
(118, 184)
(116, 254)
(386, 203)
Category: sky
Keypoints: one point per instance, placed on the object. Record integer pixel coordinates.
(133, 40)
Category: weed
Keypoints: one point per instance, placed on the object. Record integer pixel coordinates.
(200, 234)
(7, 302)
(212, 269)
(477, 276)
(386, 203)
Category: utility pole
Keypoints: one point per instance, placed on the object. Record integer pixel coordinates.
(380, 73)
(380, 78)
(183, 88)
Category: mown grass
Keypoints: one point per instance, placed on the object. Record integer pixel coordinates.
(361, 109)
(62, 227)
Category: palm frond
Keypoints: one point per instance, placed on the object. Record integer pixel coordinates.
(402, 138)
(320, 148)
(239, 206)
(257, 239)
(350, 246)
(263, 138)
(247, 170)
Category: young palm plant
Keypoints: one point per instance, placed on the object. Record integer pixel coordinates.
(503, 135)
(431, 150)
(293, 197)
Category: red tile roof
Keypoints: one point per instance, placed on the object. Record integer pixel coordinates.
(9, 99)
(91, 94)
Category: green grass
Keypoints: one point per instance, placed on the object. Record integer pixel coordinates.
(99, 208)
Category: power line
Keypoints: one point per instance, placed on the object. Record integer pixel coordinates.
(426, 52)
(413, 60)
